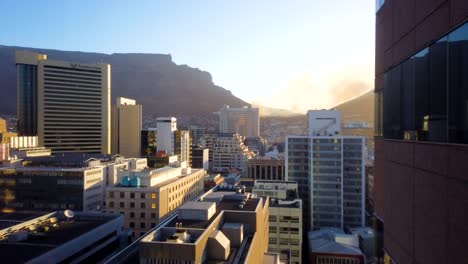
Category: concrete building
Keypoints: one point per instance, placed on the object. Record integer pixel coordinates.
(323, 122)
(256, 144)
(245, 121)
(182, 145)
(67, 105)
(126, 127)
(420, 174)
(4, 151)
(5, 136)
(222, 227)
(331, 245)
(226, 151)
(196, 132)
(149, 142)
(266, 168)
(146, 196)
(52, 188)
(166, 126)
(200, 157)
(285, 219)
(330, 173)
(60, 237)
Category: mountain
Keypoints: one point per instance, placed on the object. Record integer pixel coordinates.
(154, 80)
(360, 108)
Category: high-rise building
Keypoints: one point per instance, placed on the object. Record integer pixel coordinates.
(226, 151)
(66, 104)
(256, 144)
(196, 132)
(285, 217)
(149, 142)
(200, 157)
(245, 121)
(146, 197)
(421, 144)
(126, 127)
(323, 122)
(182, 145)
(330, 174)
(166, 126)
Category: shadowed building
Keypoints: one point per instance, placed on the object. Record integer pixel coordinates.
(421, 151)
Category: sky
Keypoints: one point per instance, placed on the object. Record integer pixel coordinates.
(289, 54)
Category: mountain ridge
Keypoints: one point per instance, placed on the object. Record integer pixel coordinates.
(153, 80)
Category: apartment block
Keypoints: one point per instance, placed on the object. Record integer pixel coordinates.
(227, 151)
(67, 105)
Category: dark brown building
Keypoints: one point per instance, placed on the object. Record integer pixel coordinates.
(421, 151)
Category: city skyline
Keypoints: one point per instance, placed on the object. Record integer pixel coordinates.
(268, 45)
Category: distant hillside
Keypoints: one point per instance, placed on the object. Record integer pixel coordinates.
(154, 80)
(358, 109)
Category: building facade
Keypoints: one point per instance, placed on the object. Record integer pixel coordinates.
(245, 121)
(146, 197)
(226, 151)
(265, 168)
(67, 105)
(126, 127)
(166, 126)
(182, 145)
(285, 219)
(200, 157)
(420, 179)
(330, 174)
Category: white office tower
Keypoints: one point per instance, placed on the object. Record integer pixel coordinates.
(166, 126)
(323, 122)
(245, 121)
(330, 173)
(126, 127)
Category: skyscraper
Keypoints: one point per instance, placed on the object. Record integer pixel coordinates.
(245, 121)
(421, 151)
(126, 127)
(330, 174)
(166, 126)
(67, 105)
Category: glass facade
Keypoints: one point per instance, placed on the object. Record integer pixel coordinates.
(27, 99)
(379, 4)
(425, 98)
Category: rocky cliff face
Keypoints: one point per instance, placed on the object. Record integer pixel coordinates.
(154, 80)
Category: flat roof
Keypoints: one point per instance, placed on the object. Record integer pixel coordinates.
(41, 241)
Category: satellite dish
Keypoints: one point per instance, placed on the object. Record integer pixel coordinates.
(69, 213)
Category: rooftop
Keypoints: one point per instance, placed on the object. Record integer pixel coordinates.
(45, 235)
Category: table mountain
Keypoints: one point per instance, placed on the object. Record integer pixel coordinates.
(154, 80)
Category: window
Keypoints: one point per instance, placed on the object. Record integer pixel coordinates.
(379, 4)
(132, 195)
(132, 224)
(458, 85)
(122, 204)
(111, 204)
(142, 215)
(153, 215)
(111, 194)
(153, 196)
(142, 205)
(425, 98)
(142, 195)
(132, 214)
(153, 225)
(142, 224)
(122, 195)
(132, 205)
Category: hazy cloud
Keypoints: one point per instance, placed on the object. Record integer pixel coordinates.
(306, 92)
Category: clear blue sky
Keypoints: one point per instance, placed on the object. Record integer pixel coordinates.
(257, 49)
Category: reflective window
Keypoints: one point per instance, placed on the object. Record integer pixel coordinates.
(458, 85)
(425, 98)
(379, 4)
